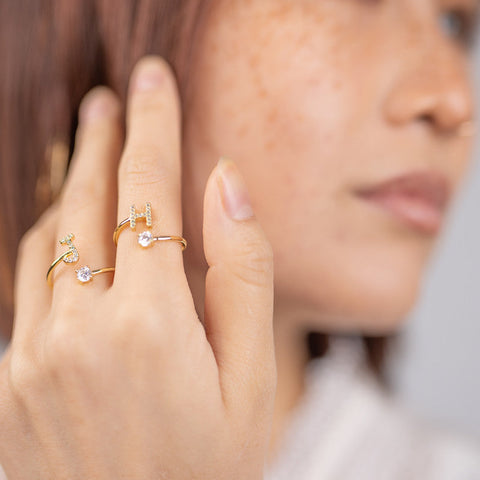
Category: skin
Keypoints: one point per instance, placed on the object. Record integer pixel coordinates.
(275, 92)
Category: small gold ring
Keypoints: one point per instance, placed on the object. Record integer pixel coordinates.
(85, 273)
(132, 219)
(146, 238)
(70, 256)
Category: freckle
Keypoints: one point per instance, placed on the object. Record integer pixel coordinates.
(254, 60)
(269, 145)
(263, 92)
(242, 130)
(300, 117)
(279, 11)
(272, 115)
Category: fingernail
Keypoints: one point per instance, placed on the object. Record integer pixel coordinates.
(234, 193)
(94, 105)
(149, 77)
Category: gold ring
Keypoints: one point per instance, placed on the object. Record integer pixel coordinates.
(146, 238)
(85, 273)
(70, 256)
(132, 219)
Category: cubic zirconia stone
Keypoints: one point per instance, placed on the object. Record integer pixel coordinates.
(71, 258)
(84, 274)
(145, 238)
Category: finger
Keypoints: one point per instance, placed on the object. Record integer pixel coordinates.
(239, 290)
(150, 171)
(32, 296)
(88, 202)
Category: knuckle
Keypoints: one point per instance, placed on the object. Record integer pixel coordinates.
(24, 377)
(65, 310)
(145, 329)
(145, 166)
(123, 327)
(28, 239)
(86, 193)
(131, 323)
(36, 232)
(66, 352)
(254, 261)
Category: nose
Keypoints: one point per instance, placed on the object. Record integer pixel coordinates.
(433, 87)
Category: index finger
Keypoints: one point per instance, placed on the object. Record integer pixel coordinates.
(150, 171)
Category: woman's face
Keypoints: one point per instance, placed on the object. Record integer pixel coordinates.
(315, 99)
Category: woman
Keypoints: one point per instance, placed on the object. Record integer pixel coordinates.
(348, 125)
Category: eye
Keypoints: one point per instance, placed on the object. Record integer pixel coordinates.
(460, 24)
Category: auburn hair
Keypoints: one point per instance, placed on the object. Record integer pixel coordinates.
(52, 52)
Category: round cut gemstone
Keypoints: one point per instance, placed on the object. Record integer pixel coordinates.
(84, 274)
(145, 238)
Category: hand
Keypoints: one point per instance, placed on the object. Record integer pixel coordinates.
(118, 377)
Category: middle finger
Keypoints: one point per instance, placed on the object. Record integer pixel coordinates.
(150, 171)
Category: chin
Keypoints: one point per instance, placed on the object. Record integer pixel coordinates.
(371, 295)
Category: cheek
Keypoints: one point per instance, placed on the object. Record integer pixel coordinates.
(282, 109)
(287, 111)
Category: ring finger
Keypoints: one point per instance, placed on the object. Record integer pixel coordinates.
(88, 203)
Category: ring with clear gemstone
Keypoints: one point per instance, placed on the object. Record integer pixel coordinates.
(85, 273)
(146, 238)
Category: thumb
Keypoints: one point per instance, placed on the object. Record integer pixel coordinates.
(239, 290)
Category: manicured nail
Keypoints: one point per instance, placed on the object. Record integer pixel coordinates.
(95, 104)
(149, 76)
(234, 193)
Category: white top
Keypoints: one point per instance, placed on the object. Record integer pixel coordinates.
(347, 428)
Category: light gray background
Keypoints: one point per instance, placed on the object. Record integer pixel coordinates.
(437, 365)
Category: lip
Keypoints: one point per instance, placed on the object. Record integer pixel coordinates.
(418, 198)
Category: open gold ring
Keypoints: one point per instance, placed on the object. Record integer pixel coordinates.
(145, 238)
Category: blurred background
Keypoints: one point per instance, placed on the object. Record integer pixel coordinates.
(436, 367)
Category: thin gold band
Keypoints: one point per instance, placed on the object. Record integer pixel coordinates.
(124, 223)
(54, 264)
(175, 238)
(119, 228)
(101, 270)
